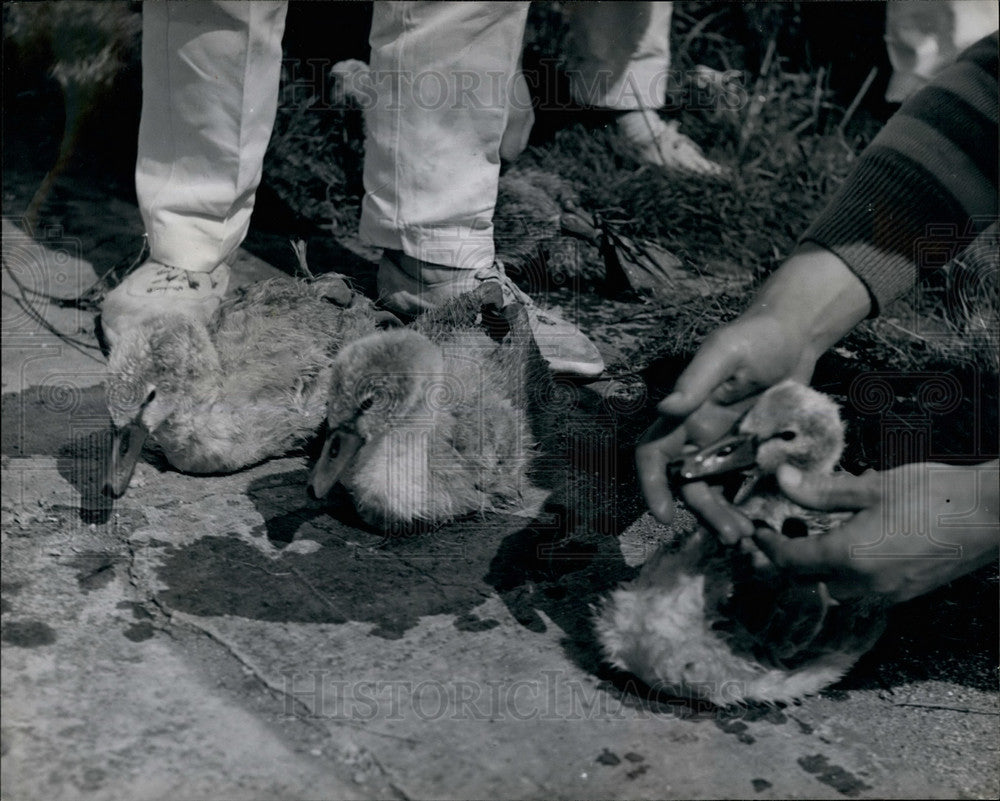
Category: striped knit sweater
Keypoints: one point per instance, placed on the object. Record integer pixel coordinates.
(927, 184)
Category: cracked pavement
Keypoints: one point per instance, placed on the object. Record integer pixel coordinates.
(223, 636)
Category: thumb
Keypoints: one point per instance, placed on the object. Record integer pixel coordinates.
(709, 368)
(830, 493)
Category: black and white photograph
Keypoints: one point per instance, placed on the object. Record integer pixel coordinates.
(500, 400)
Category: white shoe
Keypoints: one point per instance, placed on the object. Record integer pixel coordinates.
(409, 286)
(154, 288)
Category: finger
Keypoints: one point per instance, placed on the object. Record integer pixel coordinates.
(658, 430)
(711, 366)
(820, 557)
(836, 492)
(709, 422)
(652, 456)
(739, 394)
(709, 504)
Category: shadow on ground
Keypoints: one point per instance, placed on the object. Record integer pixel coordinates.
(550, 568)
(68, 423)
(556, 564)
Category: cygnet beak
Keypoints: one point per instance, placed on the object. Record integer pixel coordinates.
(338, 450)
(126, 446)
(727, 455)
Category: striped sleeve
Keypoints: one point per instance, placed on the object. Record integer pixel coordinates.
(925, 186)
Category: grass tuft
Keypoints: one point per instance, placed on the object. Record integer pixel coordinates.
(790, 139)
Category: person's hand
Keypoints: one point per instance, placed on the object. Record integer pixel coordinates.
(916, 528)
(734, 364)
(809, 303)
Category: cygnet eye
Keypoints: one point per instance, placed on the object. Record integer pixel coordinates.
(372, 394)
(787, 435)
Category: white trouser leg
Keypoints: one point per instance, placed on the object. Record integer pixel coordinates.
(441, 72)
(210, 94)
(621, 54)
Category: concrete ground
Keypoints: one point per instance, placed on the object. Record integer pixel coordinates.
(224, 637)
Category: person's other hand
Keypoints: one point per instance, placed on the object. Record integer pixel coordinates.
(915, 528)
